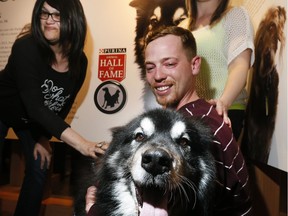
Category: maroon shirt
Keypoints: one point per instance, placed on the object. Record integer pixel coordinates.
(232, 196)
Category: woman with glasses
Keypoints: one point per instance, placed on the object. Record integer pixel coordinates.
(45, 71)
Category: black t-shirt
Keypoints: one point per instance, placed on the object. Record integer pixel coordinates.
(31, 92)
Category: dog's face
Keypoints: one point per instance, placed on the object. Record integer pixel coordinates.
(163, 160)
(153, 14)
(276, 16)
(269, 33)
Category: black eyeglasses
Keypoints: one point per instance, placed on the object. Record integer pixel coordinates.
(45, 15)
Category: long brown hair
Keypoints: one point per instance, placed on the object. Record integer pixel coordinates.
(193, 12)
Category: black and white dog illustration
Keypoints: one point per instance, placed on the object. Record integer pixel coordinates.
(110, 99)
(153, 14)
(157, 164)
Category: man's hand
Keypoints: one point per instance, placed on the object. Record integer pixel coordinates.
(90, 197)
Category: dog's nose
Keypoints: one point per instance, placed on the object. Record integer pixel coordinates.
(156, 161)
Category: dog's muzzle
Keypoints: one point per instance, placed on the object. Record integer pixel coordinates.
(153, 192)
(156, 162)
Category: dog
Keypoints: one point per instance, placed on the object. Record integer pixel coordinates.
(157, 164)
(110, 99)
(153, 14)
(263, 98)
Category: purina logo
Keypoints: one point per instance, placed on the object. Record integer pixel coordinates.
(112, 50)
(110, 96)
(112, 64)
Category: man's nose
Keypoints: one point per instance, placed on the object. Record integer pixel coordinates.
(160, 74)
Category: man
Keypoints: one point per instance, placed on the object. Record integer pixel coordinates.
(171, 69)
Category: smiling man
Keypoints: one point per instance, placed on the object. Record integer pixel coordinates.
(171, 69)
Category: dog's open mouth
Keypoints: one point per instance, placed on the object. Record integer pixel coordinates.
(152, 201)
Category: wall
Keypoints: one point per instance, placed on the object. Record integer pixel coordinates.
(112, 25)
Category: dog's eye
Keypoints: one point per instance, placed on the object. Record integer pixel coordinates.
(183, 141)
(178, 21)
(153, 20)
(139, 137)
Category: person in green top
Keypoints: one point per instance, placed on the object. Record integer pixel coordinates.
(224, 37)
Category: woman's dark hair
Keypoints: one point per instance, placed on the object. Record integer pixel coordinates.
(73, 28)
(191, 6)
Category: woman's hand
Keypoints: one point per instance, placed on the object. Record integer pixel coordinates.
(43, 148)
(221, 109)
(82, 145)
(94, 149)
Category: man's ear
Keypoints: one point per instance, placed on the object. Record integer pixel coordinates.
(196, 65)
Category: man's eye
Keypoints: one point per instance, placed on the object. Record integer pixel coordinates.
(170, 65)
(149, 68)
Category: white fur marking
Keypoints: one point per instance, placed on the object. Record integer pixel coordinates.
(137, 170)
(127, 202)
(179, 13)
(206, 175)
(178, 129)
(157, 13)
(112, 164)
(147, 126)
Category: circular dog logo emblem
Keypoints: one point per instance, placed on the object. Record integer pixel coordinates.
(110, 97)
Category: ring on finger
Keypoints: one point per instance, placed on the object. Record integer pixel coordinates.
(100, 144)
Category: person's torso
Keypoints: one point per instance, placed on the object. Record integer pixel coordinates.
(218, 45)
(210, 82)
(56, 88)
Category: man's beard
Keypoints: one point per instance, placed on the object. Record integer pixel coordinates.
(166, 103)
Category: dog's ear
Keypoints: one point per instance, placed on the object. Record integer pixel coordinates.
(135, 3)
(116, 130)
(119, 133)
(140, 5)
(200, 132)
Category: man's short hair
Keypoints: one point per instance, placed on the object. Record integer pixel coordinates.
(187, 38)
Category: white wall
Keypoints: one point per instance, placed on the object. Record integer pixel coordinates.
(111, 25)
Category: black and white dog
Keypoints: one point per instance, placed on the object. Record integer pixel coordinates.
(157, 164)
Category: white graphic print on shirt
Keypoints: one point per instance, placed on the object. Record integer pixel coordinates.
(53, 96)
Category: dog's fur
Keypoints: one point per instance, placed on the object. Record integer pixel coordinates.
(159, 159)
(153, 14)
(263, 98)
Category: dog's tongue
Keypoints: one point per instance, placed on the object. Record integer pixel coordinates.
(154, 204)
